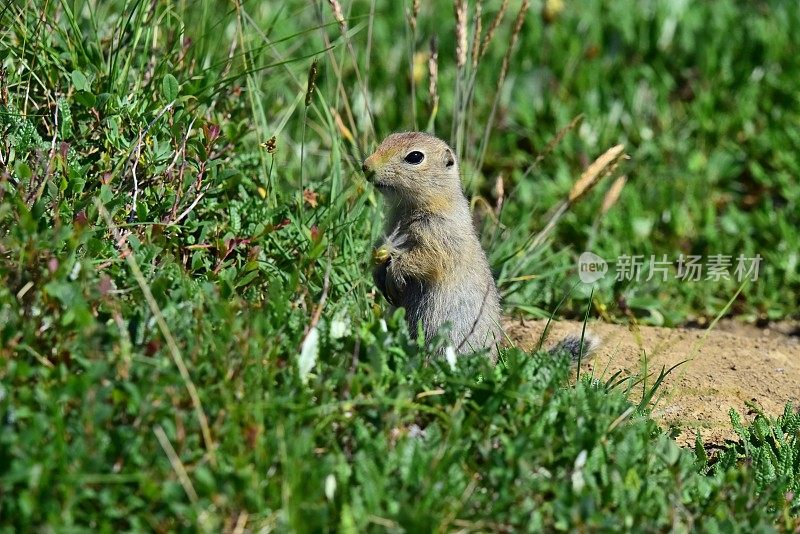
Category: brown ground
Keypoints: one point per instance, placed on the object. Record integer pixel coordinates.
(727, 367)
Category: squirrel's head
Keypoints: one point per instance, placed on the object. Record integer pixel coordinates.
(415, 169)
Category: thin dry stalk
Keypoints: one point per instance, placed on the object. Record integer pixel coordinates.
(135, 178)
(603, 166)
(539, 238)
(478, 201)
(476, 36)
(478, 50)
(225, 71)
(523, 10)
(466, 102)
(612, 196)
(189, 209)
(317, 313)
(179, 154)
(460, 7)
(457, 131)
(338, 15)
(323, 298)
(498, 18)
(412, 46)
(276, 53)
(172, 345)
(499, 193)
(196, 187)
(51, 156)
(433, 81)
(600, 168)
(241, 523)
(177, 465)
(337, 71)
(3, 87)
(368, 52)
(281, 60)
(143, 133)
(414, 14)
(310, 88)
(551, 145)
(343, 130)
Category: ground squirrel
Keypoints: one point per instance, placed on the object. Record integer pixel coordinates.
(430, 261)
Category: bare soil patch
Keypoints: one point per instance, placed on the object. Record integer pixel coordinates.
(728, 367)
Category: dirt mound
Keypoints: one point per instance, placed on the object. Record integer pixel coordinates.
(727, 367)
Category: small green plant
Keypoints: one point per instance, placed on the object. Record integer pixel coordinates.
(771, 448)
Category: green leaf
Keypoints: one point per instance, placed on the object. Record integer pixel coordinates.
(79, 81)
(106, 194)
(85, 98)
(23, 171)
(169, 88)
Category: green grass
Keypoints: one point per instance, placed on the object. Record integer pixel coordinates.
(173, 105)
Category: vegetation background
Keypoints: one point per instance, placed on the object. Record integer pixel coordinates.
(188, 339)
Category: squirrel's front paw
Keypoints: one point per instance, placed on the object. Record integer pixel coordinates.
(381, 255)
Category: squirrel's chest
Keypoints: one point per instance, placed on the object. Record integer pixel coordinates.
(439, 237)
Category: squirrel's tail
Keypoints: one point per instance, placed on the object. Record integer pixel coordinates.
(579, 347)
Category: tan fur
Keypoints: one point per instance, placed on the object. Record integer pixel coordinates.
(435, 268)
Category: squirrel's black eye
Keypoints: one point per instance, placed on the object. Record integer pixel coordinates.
(415, 157)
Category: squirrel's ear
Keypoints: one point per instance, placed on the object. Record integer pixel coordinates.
(449, 160)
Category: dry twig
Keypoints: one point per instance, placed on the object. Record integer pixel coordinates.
(172, 345)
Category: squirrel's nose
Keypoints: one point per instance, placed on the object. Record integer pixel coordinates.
(368, 172)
